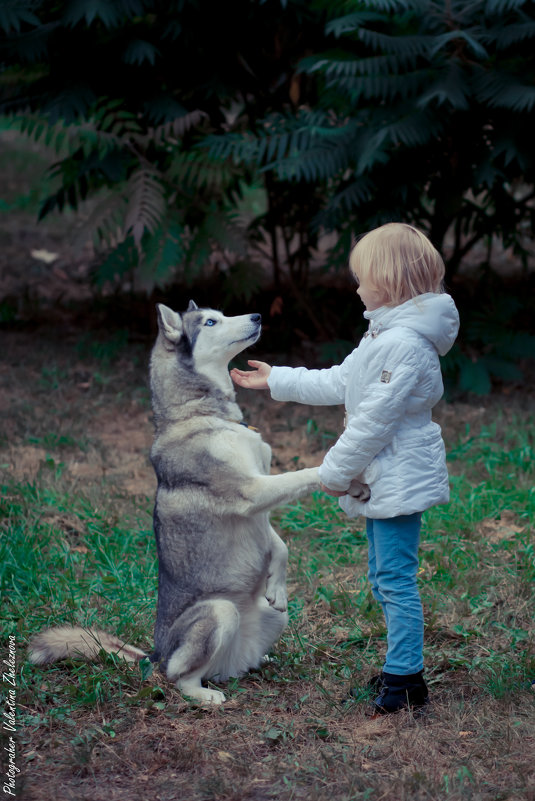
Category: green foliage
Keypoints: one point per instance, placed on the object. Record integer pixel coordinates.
(432, 101)
(133, 222)
(131, 127)
(435, 100)
(492, 349)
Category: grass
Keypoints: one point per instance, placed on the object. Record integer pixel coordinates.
(77, 547)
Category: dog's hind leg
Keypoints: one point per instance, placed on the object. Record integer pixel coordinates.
(260, 627)
(197, 642)
(271, 624)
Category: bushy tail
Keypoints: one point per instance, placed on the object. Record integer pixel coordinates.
(63, 642)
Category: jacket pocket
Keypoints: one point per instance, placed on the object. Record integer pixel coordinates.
(372, 472)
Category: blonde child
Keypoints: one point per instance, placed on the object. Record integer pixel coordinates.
(389, 384)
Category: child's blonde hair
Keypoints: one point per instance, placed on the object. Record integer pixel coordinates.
(398, 260)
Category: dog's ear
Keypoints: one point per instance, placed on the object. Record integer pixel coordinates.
(169, 323)
(192, 306)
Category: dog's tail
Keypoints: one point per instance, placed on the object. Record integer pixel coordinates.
(74, 642)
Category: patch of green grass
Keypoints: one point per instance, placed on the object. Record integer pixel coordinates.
(64, 559)
(53, 440)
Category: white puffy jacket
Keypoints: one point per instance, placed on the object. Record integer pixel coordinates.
(389, 384)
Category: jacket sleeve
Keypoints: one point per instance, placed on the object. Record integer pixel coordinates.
(390, 378)
(316, 387)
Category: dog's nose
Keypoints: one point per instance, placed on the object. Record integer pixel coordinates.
(256, 318)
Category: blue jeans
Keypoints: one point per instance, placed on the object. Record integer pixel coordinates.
(393, 566)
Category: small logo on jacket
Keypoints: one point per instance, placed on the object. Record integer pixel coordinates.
(386, 376)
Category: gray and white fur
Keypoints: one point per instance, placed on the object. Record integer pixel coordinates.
(222, 568)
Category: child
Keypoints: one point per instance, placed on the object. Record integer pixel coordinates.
(389, 384)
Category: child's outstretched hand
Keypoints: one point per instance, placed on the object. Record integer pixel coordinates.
(252, 379)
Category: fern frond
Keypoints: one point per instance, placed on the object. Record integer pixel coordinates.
(396, 6)
(443, 41)
(105, 223)
(501, 6)
(372, 150)
(172, 131)
(373, 11)
(146, 204)
(499, 90)
(282, 137)
(196, 168)
(398, 45)
(360, 191)
(414, 129)
(405, 126)
(385, 87)
(505, 36)
(448, 87)
(109, 127)
(315, 164)
(138, 51)
(336, 65)
(70, 138)
(241, 148)
(351, 23)
(109, 13)
(15, 13)
(172, 30)
(110, 116)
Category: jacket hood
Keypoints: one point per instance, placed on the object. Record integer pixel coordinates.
(432, 315)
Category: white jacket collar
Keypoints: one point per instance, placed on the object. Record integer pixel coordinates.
(432, 315)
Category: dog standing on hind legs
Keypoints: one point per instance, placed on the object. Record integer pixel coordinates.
(221, 566)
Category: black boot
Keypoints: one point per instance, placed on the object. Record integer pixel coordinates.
(401, 692)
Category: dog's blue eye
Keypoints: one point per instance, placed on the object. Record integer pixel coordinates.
(210, 322)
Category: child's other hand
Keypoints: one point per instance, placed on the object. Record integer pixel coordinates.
(334, 493)
(252, 379)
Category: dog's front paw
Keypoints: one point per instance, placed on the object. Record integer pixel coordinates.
(277, 597)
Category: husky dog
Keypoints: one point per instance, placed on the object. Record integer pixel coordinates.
(222, 568)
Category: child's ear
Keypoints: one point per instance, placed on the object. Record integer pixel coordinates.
(169, 323)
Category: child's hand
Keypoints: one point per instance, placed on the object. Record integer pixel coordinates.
(252, 379)
(334, 493)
